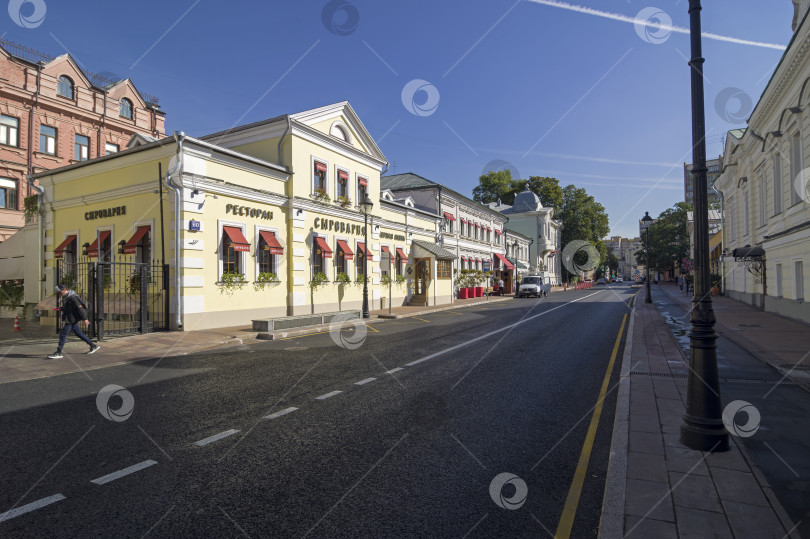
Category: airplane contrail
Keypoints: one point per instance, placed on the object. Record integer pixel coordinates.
(632, 20)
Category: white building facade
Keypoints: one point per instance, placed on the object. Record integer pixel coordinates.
(765, 189)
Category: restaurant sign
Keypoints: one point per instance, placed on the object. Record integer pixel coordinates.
(106, 212)
(342, 227)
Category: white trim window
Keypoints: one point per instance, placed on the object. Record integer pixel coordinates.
(9, 131)
(81, 148)
(319, 174)
(795, 165)
(779, 277)
(341, 183)
(777, 184)
(266, 258)
(47, 139)
(745, 203)
(8, 193)
(232, 248)
(762, 194)
(362, 188)
(798, 280)
(109, 148)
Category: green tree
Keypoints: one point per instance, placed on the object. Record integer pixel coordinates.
(583, 219)
(668, 239)
(492, 186)
(547, 189)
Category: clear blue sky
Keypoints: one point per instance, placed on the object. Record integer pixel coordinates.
(597, 104)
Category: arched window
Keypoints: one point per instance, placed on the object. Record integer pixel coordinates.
(126, 108)
(65, 87)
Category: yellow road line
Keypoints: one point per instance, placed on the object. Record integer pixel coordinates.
(369, 326)
(631, 299)
(572, 501)
(422, 319)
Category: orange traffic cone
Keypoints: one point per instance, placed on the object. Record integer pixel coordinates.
(17, 323)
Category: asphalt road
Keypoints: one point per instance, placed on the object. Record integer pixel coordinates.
(429, 411)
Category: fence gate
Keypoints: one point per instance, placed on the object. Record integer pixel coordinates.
(122, 297)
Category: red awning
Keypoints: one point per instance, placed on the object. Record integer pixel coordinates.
(385, 251)
(449, 216)
(347, 252)
(92, 251)
(343, 175)
(498, 232)
(237, 239)
(327, 252)
(362, 247)
(463, 258)
(508, 265)
(132, 245)
(401, 255)
(59, 251)
(320, 166)
(477, 225)
(489, 229)
(271, 242)
(463, 220)
(362, 181)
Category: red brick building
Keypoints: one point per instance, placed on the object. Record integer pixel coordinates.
(53, 113)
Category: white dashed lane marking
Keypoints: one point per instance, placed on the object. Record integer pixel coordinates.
(392, 371)
(281, 413)
(328, 395)
(122, 473)
(364, 382)
(33, 506)
(216, 437)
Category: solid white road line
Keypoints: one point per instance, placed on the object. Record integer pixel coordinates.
(392, 371)
(328, 395)
(121, 473)
(281, 413)
(33, 506)
(491, 333)
(215, 437)
(364, 382)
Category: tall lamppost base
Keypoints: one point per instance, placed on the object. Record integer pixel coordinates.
(704, 435)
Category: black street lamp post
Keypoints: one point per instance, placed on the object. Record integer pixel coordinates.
(702, 427)
(365, 208)
(646, 223)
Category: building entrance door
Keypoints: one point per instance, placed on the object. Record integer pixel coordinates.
(422, 276)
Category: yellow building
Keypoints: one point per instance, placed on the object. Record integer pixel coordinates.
(269, 225)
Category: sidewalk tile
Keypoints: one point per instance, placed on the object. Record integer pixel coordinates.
(697, 524)
(649, 499)
(646, 466)
(731, 459)
(680, 459)
(737, 486)
(645, 528)
(644, 423)
(753, 521)
(695, 491)
(646, 442)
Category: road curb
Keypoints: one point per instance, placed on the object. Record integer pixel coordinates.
(440, 309)
(611, 522)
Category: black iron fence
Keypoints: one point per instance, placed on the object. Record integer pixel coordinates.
(122, 297)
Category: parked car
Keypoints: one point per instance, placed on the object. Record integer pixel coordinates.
(534, 285)
(620, 280)
(602, 280)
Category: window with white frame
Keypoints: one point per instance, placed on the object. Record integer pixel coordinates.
(779, 290)
(318, 257)
(762, 194)
(745, 204)
(732, 221)
(265, 256)
(47, 139)
(342, 182)
(795, 165)
(125, 109)
(798, 280)
(109, 148)
(82, 148)
(777, 184)
(8, 193)
(362, 188)
(400, 264)
(64, 87)
(231, 250)
(319, 178)
(448, 225)
(9, 130)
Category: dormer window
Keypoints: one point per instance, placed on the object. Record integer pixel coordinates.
(338, 132)
(65, 87)
(126, 108)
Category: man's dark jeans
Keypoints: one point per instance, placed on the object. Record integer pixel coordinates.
(75, 329)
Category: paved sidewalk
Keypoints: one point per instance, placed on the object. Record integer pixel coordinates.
(655, 486)
(781, 342)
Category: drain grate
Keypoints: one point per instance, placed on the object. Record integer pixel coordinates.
(723, 380)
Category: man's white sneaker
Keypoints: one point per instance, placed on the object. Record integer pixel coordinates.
(94, 349)
(55, 355)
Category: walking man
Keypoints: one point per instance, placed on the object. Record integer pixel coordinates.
(74, 311)
(500, 287)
